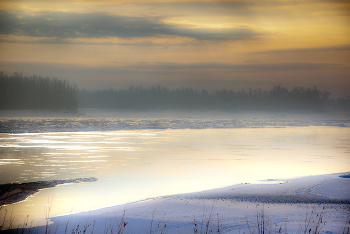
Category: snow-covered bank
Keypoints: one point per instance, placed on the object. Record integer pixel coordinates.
(285, 204)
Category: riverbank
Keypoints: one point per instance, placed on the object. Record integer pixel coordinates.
(16, 192)
(286, 204)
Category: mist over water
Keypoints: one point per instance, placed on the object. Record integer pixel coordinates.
(86, 119)
(163, 153)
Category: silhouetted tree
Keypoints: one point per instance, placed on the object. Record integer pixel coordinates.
(18, 92)
(157, 97)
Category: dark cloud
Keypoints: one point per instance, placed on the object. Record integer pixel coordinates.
(62, 25)
(214, 8)
(200, 8)
(75, 25)
(305, 50)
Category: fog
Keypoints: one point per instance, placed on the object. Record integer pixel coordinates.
(20, 92)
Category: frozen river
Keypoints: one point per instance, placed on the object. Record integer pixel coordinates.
(134, 161)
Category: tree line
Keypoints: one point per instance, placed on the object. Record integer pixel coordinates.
(157, 97)
(18, 92)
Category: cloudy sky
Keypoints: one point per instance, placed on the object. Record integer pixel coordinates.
(200, 44)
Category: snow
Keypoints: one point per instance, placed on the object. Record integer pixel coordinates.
(226, 208)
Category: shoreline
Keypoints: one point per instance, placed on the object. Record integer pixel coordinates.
(233, 206)
(245, 193)
(16, 192)
(178, 212)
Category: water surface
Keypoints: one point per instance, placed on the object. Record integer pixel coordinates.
(133, 165)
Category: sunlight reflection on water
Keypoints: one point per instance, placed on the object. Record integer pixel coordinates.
(138, 164)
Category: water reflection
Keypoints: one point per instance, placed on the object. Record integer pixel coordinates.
(137, 164)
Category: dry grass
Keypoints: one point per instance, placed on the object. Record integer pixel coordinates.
(313, 224)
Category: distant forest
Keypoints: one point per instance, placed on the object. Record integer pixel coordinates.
(157, 97)
(18, 92)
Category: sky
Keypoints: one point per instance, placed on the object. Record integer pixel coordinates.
(201, 44)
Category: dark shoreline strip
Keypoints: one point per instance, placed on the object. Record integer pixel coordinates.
(276, 199)
(12, 193)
